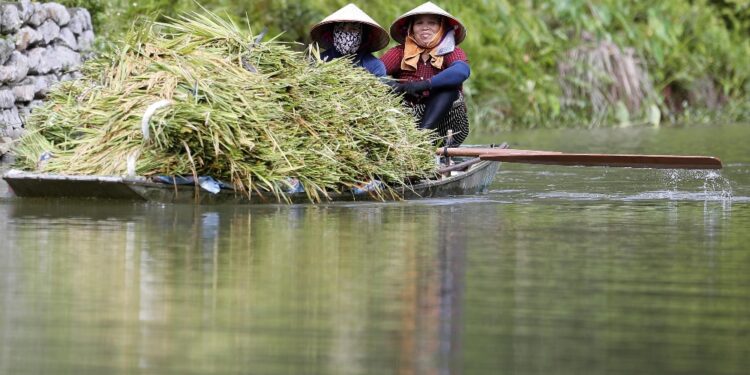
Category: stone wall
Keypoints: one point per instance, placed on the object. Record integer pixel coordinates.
(40, 44)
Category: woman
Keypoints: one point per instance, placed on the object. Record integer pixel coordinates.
(351, 32)
(430, 69)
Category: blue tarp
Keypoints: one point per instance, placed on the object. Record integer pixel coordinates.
(206, 182)
(292, 185)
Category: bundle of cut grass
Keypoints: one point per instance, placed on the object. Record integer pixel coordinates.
(197, 96)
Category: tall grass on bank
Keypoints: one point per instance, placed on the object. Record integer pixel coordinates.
(600, 75)
(696, 51)
(224, 105)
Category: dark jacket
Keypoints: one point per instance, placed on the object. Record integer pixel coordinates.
(362, 59)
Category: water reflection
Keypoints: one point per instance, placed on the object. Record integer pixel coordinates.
(568, 271)
(415, 289)
(452, 256)
(431, 325)
(127, 288)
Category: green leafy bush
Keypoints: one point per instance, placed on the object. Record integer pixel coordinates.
(696, 52)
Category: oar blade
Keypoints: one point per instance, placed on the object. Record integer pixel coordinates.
(609, 160)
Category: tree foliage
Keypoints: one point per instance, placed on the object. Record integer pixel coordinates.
(696, 52)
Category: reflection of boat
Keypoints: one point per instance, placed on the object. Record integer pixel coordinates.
(467, 176)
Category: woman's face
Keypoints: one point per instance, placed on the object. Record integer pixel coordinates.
(425, 27)
(347, 37)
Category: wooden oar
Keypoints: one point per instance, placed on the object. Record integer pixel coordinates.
(599, 160)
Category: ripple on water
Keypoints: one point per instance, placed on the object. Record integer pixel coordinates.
(618, 185)
(573, 196)
(678, 196)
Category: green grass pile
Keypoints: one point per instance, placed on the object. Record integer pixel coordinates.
(222, 105)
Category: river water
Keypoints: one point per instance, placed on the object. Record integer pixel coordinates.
(555, 270)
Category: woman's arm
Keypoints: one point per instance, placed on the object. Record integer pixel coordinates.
(373, 65)
(454, 75)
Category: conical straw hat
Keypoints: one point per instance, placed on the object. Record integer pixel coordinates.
(399, 28)
(375, 36)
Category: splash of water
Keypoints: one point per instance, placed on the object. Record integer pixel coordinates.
(714, 186)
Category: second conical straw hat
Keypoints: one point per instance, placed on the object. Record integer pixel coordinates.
(376, 38)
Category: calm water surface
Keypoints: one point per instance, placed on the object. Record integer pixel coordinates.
(556, 270)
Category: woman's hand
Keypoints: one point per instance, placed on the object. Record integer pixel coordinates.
(416, 88)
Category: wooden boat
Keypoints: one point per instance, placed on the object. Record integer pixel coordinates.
(473, 170)
(467, 176)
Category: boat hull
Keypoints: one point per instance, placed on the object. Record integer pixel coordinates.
(36, 185)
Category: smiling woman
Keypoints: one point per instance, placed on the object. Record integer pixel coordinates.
(430, 70)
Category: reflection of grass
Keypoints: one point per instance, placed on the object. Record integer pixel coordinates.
(272, 289)
(696, 52)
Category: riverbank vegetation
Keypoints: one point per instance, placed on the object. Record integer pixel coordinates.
(547, 63)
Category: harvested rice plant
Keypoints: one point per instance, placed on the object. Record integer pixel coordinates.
(198, 96)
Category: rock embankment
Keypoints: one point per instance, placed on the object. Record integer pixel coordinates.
(40, 45)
